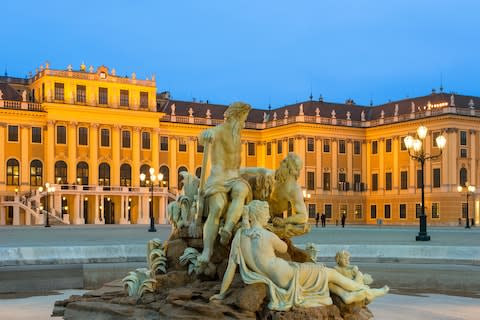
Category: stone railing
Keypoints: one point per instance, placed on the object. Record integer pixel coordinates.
(20, 105)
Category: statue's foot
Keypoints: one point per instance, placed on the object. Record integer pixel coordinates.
(225, 237)
(203, 258)
(371, 294)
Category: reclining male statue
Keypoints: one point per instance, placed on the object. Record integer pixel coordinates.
(290, 284)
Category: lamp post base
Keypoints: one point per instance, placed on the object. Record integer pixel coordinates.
(47, 226)
(422, 237)
(467, 227)
(152, 230)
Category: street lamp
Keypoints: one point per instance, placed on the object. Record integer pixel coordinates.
(417, 152)
(49, 190)
(468, 191)
(151, 182)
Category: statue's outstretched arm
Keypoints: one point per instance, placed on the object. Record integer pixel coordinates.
(227, 280)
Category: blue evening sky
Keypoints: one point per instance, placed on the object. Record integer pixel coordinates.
(261, 52)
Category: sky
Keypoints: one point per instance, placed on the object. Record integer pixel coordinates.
(262, 52)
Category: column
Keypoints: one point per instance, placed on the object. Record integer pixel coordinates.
(300, 149)
(122, 210)
(136, 157)
(25, 163)
(93, 164)
(453, 168)
(191, 158)
(50, 152)
(126, 205)
(2, 166)
(81, 209)
(396, 173)
(366, 154)
(318, 165)
(3, 221)
(428, 165)
(243, 155)
(96, 209)
(76, 209)
(350, 162)
(473, 158)
(444, 169)
(412, 176)
(162, 209)
(381, 165)
(274, 155)
(334, 165)
(16, 211)
(156, 150)
(173, 163)
(115, 174)
(72, 152)
(102, 209)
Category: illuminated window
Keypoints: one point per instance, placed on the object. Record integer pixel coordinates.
(13, 172)
(36, 173)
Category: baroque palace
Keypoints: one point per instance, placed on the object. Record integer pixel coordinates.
(74, 143)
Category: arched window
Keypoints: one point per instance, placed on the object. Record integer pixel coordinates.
(198, 172)
(463, 176)
(36, 173)
(125, 175)
(166, 176)
(82, 173)
(104, 174)
(180, 178)
(13, 172)
(145, 170)
(60, 172)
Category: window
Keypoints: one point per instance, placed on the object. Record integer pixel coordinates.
(166, 175)
(388, 145)
(341, 146)
(279, 146)
(463, 138)
(144, 168)
(13, 172)
(403, 211)
(328, 211)
(102, 95)
(36, 135)
(163, 143)
(251, 148)
(434, 139)
(357, 147)
(83, 136)
(326, 145)
(269, 148)
(124, 98)
(310, 144)
(146, 140)
(125, 175)
(358, 211)
(12, 134)
(143, 99)
(342, 184)
(357, 182)
(326, 181)
(463, 153)
(290, 145)
(180, 177)
(374, 181)
(61, 135)
(418, 210)
(82, 173)
(387, 213)
(403, 180)
(312, 210)
(104, 137)
(104, 174)
(464, 210)
(419, 179)
(36, 175)
(310, 180)
(436, 177)
(463, 177)
(182, 146)
(126, 139)
(61, 172)
(374, 147)
(388, 181)
(435, 210)
(81, 94)
(373, 211)
(200, 147)
(59, 91)
(403, 147)
(342, 177)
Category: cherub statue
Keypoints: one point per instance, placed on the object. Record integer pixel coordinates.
(290, 284)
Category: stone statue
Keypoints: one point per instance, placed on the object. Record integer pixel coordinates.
(300, 110)
(172, 108)
(224, 186)
(1, 95)
(286, 113)
(362, 115)
(264, 117)
(208, 114)
(317, 112)
(134, 76)
(471, 104)
(395, 113)
(290, 284)
(90, 69)
(349, 115)
(452, 101)
(181, 213)
(275, 116)
(412, 106)
(334, 114)
(113, 72)
(382, 114)
(190, 112)
(69, 67)
(342, 258)
(24, 95)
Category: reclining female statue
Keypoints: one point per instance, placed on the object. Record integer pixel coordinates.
(290, 283)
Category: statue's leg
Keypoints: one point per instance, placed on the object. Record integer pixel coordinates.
(216, 203)
(234, 213)
(340, 280)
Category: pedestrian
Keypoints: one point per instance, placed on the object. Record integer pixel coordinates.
(324, 220)
(344, 217)
(317, 217)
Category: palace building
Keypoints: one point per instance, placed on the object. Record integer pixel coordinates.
(90, 133)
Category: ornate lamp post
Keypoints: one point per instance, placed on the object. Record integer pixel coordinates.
(468, 191)
(151, 182)
(417, 152)
(49, 190)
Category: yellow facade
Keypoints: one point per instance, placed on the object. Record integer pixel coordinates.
(93, 123)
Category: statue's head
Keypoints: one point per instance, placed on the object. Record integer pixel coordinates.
(290, 166)
(342, 258)
(238, 111)
(258, 211)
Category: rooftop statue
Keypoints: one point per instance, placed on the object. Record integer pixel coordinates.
(290, 284)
